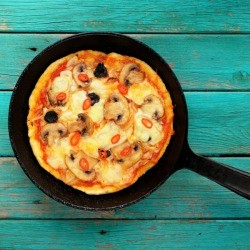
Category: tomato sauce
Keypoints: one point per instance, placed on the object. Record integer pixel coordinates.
(57, 72)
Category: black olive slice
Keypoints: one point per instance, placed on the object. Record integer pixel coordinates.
(94, 98)
(51, 117)
(100, 71)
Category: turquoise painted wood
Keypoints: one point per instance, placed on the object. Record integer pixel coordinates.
(197, 64)
(219, 122)
(171, 16)
(185, 195)
(133, 234)
(207, 44)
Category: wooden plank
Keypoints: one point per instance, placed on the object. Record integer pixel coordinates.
(197, 64)
(218, 122)
(185, 195)
(77, 234)
(140, 16)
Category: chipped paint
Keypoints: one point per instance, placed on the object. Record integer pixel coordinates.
(3, 214)
(4, 26)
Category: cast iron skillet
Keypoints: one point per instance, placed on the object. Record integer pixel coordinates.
(177, 156)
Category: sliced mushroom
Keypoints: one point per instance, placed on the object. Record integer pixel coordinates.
(117, 109)
(111, 80)
(83, 124)
(58, 92)
(72, 62)
(131, 74)
(127, 154)
(81, 68)
(81, 165)
(51, 132)
(153, 106)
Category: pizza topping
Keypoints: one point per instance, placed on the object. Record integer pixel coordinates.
(126, 151)
(153, 107)
(127, 154)
(111, 80)
(146, 129)
(103, 153)
(58, 92)
(80, 77)
(72, 62)
(75, 138)
(51, 116)
(61, 96)
(51, 132)
(81, 165)
(123, 89)
(147, 123)
(84, 125)
(115, 139)
(131, 74)
(86, 104)
(84, 164)
(83, 77)
(94, 98)
(117, 109)
(100, 71)
(57, 72)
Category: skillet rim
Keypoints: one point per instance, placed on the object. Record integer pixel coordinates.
(65, 40)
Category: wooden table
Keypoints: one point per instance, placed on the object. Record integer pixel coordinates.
(208, 46)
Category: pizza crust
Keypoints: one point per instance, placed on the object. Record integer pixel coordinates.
(120, 178)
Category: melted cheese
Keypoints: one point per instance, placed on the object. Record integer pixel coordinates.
(62, 82)
(76, 100)
(152, 135)
(138, 92)
(110, 173)
(96, 111)
(56, 156)
(97, 86)
(102, 139)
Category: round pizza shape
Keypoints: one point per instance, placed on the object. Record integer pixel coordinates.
(99, 121)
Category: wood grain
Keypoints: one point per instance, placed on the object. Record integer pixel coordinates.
(77, 234)
(201, 62)
(218, 123)
(171, 16)
(185, 195)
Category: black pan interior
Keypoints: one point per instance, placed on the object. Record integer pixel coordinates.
(106, 42)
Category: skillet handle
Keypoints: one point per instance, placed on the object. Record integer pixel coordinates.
(235, 180)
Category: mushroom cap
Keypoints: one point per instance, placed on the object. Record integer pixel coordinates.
(132, 158)
(83, 124)
(78, 69)
(53, 131)
(60, 84)
(153, 106)
(131, 74)
(73, 163)
(117, 109)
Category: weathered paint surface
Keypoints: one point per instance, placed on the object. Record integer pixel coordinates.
(207, 45)
(133, 234)
(172, 16)
(201, 62)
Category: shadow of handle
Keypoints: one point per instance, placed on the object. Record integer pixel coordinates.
(235, 180)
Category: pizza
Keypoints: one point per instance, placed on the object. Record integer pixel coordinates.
(99, 121)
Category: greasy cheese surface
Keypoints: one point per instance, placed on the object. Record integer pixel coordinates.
(126, 142)
(151, 135)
